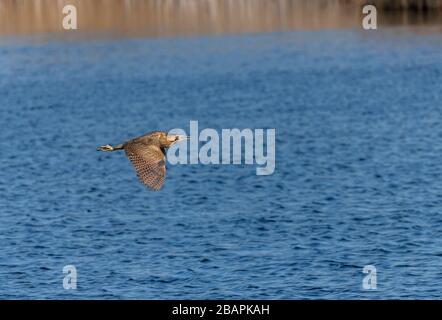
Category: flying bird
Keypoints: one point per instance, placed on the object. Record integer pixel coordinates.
(147, 154)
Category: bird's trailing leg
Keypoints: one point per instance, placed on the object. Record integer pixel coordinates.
(108, 148)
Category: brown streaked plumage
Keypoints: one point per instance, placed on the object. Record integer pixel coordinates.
(148, 156)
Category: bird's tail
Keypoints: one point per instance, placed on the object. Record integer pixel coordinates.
(108, 147)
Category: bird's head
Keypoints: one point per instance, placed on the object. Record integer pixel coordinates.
(170, 139)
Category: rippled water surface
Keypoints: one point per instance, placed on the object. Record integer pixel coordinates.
(357, 180)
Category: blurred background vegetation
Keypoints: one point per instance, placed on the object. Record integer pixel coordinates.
(176, 17)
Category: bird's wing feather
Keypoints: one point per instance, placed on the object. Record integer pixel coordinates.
(149, 163)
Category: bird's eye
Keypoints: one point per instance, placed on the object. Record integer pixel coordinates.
(176, 138)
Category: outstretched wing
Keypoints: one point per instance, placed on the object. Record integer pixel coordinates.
(149, 163)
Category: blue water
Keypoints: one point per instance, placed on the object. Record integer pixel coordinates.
(357, 180)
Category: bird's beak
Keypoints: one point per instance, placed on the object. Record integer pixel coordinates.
(176, 138)
(181, 138)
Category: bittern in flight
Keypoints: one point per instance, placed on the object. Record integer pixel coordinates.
(148, 156)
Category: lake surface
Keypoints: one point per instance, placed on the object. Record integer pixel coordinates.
(357, 180)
